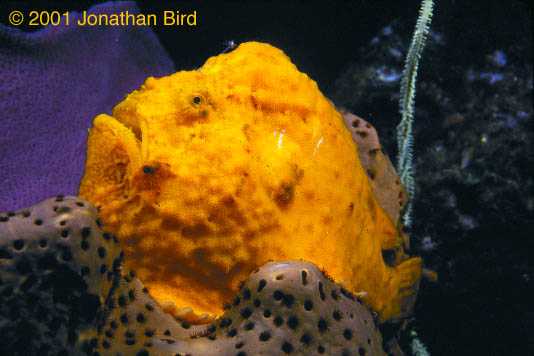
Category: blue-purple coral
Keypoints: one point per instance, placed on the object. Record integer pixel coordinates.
(54, 82)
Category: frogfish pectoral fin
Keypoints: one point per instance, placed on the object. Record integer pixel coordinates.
(410, 276)
(113, 155)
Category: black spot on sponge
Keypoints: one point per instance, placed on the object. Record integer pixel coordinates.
(304, 275)
(322, 325)
(245, 313)
(106, 344)
(371, 173)
(288, 300)
(265, 336)
(86, 232)
(287, 348)
(124, 318)
(292, 322)
(306, 339)
(140, 318)
(225, 322)
(308, 305)
(18, 244)
(103, 268)
(337, 315)
(347, 334)
(321, 292)
(236, 302)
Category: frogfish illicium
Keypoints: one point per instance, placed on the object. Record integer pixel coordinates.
(206, 175)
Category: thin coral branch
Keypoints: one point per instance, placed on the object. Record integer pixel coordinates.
(405, 167)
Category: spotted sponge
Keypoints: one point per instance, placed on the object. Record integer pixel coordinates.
(383, 178)
(63, 291)
(292, 308)
(386, 185)
(56, 271)
(285, 308)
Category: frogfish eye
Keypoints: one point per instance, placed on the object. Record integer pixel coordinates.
(196, 105)
(197, 99)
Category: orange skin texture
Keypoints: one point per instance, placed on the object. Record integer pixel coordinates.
(206, 175)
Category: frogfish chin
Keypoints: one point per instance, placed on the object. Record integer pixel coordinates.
(207, 175)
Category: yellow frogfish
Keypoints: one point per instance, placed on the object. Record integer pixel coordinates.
(206, 175)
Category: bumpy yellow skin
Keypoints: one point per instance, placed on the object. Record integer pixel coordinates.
(206, 175)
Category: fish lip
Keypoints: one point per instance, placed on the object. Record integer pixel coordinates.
(134, 121)
(135, 154)
(137, 131)
(130, 117)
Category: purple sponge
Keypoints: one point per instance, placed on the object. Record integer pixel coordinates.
(54, 82)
